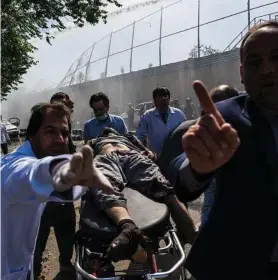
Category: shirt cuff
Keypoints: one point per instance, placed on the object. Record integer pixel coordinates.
(189, 178)
(41, 178)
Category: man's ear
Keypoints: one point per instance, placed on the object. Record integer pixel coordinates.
(241, 73)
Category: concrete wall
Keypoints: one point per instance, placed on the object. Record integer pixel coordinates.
(135, 87)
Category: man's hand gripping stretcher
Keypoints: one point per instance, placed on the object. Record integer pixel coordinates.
(123, 160)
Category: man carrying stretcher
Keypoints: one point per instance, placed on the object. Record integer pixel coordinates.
(124, 160)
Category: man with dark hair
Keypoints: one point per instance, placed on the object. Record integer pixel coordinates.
(60, 216)
(99, 102)
(156, 123)
(124, 160)
(172, 154)
(190, 109)
(40, 170)
(236, 142)
(63, 98)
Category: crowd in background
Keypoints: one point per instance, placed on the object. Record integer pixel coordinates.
(229, 153)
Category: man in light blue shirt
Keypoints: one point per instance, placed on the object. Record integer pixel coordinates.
(40, 170)
(156, 124)
(99, 102)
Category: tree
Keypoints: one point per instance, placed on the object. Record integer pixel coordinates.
(102, 75)
(80, 78)
(204, 51)
(122, 70)
(150, 65)
(26, 19)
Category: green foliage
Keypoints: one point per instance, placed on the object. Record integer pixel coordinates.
(80, 78)
(23, 20)
(204, 51)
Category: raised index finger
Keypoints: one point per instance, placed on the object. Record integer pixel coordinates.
(206, 101)
(87, 153)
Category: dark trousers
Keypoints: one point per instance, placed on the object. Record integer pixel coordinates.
(130, 168)
(4, 148)
(62, 218)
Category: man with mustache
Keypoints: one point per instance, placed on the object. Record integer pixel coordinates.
(40, 170)
(60, 216)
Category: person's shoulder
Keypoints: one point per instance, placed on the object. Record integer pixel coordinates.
(232, 108)
(116, 118)
(88, 122)
(232, 103)
(22, 153)
(176, 110)
(149, 112)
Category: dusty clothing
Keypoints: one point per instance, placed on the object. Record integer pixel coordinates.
(129, 167)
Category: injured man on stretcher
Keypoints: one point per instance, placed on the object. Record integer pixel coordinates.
(124, 160)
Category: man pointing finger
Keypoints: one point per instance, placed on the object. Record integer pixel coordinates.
(40, 170)
(236, 142)
(211, 142)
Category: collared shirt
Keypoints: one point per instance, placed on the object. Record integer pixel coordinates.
(155, 130)
(93, 128)
(26, 184)
(4, 134)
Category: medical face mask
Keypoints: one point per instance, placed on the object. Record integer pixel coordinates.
(102, 118)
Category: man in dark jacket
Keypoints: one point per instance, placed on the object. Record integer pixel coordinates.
(237, 143)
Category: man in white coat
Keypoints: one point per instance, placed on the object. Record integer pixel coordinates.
(40, 170)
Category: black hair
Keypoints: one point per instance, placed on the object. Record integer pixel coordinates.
(252, 30)
(100, 96)
(161, 91)
(37, 116)
(58, 96)
(223, 92)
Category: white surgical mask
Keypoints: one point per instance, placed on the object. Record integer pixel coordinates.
(102, 118)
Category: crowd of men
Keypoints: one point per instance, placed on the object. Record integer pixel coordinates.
(229, 153)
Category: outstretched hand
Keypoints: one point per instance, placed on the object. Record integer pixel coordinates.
(80, 170)
(211, 142)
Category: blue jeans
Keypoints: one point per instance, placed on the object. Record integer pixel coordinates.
(208, 200)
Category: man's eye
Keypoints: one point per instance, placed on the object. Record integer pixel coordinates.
(254, 61)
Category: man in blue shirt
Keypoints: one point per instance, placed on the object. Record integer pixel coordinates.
(156, 124)
(99, 102)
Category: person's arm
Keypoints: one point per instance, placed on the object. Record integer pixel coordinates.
(123, 128)
(25, 179)
(6, 134)
(183, 118)
(142, 129)
(187, 183)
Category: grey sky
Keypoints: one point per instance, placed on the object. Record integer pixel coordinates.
(55, 60)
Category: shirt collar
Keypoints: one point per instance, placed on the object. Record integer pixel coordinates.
(26, 149)
(170, 110)
(108, 119)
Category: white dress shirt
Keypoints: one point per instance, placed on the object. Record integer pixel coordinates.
(26, 184)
